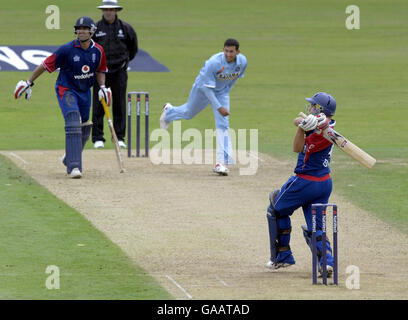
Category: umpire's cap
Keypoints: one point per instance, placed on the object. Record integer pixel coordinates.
(110, 4)
(325, 101)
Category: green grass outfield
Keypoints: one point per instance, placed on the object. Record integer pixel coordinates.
(38, 230)
(294, 49)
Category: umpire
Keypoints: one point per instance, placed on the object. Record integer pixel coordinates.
(119, 41)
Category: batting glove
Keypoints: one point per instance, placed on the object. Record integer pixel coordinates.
(322, 121)
(21, 87)
(105, 93)
(310, 123)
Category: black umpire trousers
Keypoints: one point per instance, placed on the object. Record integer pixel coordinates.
(117, 81)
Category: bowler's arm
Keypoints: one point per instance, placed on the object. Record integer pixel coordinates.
(209, 93)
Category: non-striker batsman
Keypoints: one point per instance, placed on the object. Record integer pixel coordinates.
(80, 62)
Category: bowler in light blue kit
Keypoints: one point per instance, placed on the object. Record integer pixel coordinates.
(212, 86)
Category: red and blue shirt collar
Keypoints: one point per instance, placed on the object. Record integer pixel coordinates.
(78, 45)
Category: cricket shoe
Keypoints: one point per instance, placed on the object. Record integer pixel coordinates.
(277, 265)
(284, 259)
(75, 174)
(329, 271)
(163, 123)
(221, 169)
(122, 145)
(99, 144)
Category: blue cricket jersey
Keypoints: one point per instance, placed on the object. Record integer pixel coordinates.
(77, 66)
(314, 161)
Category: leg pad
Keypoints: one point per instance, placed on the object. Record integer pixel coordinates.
(86, 132)
(73, 141)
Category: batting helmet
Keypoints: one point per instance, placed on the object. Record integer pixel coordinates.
(85, 22)
(325, 101)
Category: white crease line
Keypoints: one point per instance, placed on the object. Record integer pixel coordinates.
(18, 157)
(180, 287)
(222, 281)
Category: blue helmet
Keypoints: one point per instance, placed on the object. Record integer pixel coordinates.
(325, 101)
(85, 22)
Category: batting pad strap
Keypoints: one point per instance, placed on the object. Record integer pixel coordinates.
(88, 123)
(284, 248)
(319, 238)
(285, 231)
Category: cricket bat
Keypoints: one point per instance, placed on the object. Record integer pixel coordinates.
(114, 137)
(347, 146)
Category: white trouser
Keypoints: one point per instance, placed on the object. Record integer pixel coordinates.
(197, 101)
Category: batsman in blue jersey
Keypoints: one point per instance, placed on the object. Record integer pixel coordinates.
(310, 184)
(212, 86)
(80, 62)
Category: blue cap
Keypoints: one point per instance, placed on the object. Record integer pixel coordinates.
(325, 101)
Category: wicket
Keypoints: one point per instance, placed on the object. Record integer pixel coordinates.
(314, 247)
(138, 95)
